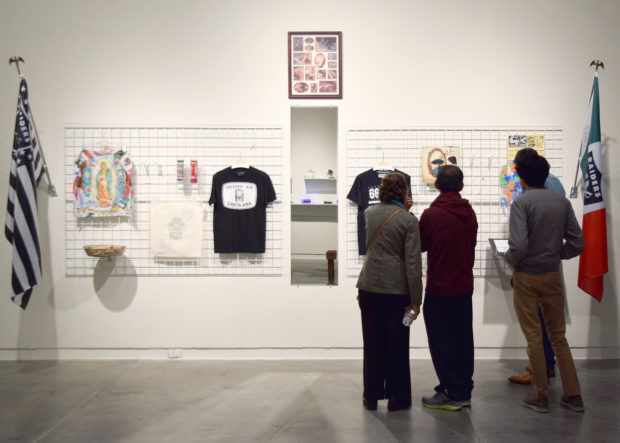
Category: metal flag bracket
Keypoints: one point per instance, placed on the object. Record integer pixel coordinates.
(51, 189)
(597, 64)
(573, 190)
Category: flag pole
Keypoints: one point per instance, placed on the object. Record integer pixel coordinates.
(51, 189)
(573, 189)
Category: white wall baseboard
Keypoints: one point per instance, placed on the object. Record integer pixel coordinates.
(266, 354)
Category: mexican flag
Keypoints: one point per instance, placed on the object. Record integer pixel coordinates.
(593, 260)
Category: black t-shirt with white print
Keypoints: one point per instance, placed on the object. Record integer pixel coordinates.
(365, 193)
(240, 197)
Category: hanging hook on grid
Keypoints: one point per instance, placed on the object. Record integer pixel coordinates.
(145, 166)
(382, 165)
(252, 151)
(253, 148)
(472, 159)
(241, 161)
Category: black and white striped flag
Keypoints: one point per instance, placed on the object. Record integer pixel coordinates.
(21, 228)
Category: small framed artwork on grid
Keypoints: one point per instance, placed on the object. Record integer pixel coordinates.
(315, 64)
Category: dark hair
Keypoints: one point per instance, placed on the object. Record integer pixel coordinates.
(522, 154)
(533, 170)
(449, 178)
(393, 187)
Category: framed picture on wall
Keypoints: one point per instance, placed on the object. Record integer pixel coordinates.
(315, 64)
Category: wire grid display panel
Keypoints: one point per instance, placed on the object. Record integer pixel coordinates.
(154, 152)
(483, 152)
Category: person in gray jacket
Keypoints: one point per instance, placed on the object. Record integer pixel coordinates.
(389, 284)
(525, 378)
(543, 231)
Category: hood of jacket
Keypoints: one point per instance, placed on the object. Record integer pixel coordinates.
(453, 203)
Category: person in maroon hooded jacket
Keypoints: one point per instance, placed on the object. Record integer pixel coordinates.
(448, 230)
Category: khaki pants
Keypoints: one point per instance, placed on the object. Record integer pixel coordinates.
(545, 290)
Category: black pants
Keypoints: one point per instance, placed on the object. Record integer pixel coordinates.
(386, 346)
(450, 334)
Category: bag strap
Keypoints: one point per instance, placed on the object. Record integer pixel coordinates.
(372, 242)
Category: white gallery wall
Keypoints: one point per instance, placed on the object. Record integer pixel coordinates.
(207, 62)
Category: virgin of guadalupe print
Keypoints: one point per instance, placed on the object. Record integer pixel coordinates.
(102, 186)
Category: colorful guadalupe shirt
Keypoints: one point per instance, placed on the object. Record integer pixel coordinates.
(103, 184)
(510, 184)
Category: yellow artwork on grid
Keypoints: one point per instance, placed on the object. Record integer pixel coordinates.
(519, 141)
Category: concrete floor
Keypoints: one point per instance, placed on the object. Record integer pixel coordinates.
(282, 401)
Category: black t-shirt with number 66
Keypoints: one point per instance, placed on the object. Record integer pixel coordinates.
(364, 193)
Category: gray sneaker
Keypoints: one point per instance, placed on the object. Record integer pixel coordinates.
(536, 404)
(574, 403)
(441, 401)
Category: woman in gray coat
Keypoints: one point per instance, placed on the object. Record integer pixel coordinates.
(390, 283)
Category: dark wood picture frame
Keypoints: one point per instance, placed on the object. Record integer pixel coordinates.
(315, 64)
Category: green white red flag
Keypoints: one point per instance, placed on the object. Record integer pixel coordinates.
(593, 260)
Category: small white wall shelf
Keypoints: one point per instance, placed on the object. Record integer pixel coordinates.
(321, 185)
